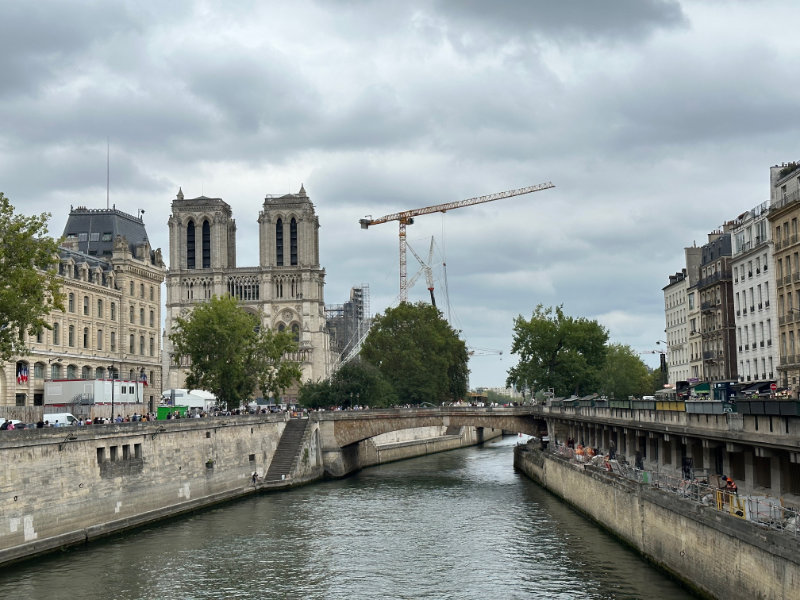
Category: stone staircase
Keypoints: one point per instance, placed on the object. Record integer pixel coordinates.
(287, 451)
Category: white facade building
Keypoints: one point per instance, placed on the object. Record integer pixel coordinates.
(677, 332)
(754, 293)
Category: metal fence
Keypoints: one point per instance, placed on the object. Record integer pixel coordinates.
(763, 511)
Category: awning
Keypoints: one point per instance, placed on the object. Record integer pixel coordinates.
(757, 388)
(702, 388)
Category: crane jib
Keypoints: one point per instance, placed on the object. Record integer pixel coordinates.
(407, 214)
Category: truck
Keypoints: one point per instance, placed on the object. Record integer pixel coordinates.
(64, 392)
(194, 400)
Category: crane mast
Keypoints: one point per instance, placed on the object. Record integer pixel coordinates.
(406, 217)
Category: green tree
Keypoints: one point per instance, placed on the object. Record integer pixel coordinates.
(230, 354)
(557, 351)
(361, 383)
(273, 372)
(29, 284)
(657, 378)
(624, 374)
(316, 394)
(418, 353)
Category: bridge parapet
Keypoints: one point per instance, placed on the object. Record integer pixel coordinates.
(339, 429)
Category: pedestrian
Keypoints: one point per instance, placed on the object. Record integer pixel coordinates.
(255, 477)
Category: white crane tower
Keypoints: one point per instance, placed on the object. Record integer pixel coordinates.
(406, 217)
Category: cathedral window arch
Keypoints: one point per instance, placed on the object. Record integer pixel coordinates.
(296, 332)
(293, 242)
(190, 245)
(279, 288)
(279, 242)
(206, 244)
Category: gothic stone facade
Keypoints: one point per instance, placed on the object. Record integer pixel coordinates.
(285, 289)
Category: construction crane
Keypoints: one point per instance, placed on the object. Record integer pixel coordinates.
(426, 268)
(406, 217)
(482, 351)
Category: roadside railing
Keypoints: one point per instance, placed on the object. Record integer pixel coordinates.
(764, 511)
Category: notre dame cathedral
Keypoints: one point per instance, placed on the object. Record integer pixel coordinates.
(286, 288)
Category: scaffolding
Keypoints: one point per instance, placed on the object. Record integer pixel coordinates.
(349, 323)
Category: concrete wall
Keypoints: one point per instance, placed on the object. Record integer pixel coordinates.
(410, 443)
(719, 555)
(56, 491)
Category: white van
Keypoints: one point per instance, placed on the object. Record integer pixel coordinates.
(60, 419)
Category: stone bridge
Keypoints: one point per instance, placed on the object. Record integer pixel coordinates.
(341, 431)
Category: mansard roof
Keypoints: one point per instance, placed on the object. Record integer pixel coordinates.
(96, 229)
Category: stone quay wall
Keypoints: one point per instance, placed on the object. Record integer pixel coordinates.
(67, 485)
(718, 555)
(411, 443)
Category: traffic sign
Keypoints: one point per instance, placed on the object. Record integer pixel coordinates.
(773, 386)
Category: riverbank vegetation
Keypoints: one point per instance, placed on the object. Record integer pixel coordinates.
(568, 356)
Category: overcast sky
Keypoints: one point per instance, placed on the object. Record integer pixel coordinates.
(657, 120)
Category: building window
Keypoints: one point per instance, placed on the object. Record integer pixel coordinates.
(113, 341)
(71, 336)
(293, 242)
(71, 303)
(141, 290)
(152, 319)
(131, 314)
(152, 293)
(99, 309)
(279, 242)
(206, 245)
(141, 345)
(99, 339)
(132, 346)
(113, 311)
(152, 347)
(141, 316)
(85, 337)
(56, 334)
(190, 245)
(131, 289)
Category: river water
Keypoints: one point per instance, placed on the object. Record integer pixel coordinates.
(460, 524)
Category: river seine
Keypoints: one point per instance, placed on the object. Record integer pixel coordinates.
(461, 524)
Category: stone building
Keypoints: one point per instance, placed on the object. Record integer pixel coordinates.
(285, 290)
(715, 290)
(112, 318)
(784, 213)
(754, 301)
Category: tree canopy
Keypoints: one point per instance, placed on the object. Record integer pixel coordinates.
(418, 353)
(557, 351)
(29, 284)
(230, 354)
(355, 383)
(624, 373)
